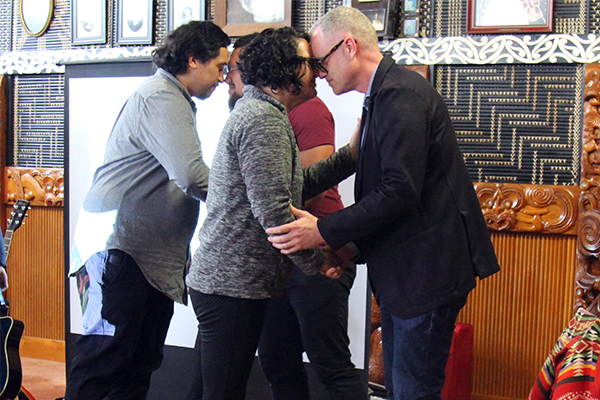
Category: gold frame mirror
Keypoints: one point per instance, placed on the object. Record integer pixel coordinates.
(36, 15)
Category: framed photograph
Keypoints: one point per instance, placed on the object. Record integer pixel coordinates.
(411, 6)
(134, 21)
(88, 21)
(377, 18)
(183, 11)
(410, 27)
(383, 14)
(36, 15)
(240, 17)
(498, 16)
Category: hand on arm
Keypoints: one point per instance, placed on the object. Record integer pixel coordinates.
(298, 235)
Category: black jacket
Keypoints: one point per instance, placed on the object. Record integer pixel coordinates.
(416, 218)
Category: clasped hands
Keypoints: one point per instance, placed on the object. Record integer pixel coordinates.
(303, 234)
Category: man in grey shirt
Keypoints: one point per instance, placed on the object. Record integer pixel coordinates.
(153, 176)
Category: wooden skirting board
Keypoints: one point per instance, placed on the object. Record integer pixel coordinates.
(45, 349)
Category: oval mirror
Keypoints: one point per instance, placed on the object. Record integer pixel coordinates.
(36, 15)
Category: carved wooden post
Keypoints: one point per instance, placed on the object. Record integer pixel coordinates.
(588, 233)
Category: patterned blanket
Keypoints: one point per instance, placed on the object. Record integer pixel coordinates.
(569, 372)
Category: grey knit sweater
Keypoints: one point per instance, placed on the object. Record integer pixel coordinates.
(255, 175)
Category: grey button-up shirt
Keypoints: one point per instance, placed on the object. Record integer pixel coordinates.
(153, 175)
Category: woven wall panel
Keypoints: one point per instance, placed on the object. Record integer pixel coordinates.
(57, 37)
(5, 24)
(450, 17)
(517, 123)
(160, 20)
(306, 12)
(36, 273)
(519, 313)
(38, 121)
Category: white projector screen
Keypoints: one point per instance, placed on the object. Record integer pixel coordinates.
(94, 99)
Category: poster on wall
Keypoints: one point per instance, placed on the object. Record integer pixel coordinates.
(134, 21)
(88, 21)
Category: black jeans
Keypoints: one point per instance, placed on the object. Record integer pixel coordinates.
(120, 366)
(311, 316)
(228, 333)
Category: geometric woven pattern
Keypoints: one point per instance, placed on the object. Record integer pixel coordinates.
(5, 23)
(38, 120)
(516, 123)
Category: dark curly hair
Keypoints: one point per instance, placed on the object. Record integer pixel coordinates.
(202, 40)
(271, 60)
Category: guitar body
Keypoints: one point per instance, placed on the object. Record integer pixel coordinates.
(10, 361)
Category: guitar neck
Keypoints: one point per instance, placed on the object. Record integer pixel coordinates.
(7, 239)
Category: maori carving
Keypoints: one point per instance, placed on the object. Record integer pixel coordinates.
(529, 208)
(41, 187)
(496, 49)
(588, 238)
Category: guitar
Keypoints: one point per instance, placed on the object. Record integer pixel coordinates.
(11, 329)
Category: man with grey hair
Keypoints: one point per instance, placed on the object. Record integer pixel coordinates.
(416, 220)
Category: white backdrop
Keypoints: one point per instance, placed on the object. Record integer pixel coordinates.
(91, 97)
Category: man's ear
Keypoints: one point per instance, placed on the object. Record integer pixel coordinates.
(192, 62)
(351, 45)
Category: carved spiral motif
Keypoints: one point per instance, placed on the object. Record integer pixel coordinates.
(589, 233)
(539, 195)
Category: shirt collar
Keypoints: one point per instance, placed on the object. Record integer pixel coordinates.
(165, 74)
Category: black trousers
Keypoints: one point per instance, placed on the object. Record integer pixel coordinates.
(311, 316)
(120, 366)
(228, 333)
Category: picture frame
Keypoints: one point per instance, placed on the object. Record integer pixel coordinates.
(383, 14)
(184, 11)
(509, 16)
(36, 16)
(134, 22)
(411, 6)
(410, 27)
(241, 17)
(88, 22)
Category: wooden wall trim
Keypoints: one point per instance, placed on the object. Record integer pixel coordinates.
(529, 208)
(40, 186)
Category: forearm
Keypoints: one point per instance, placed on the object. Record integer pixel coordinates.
(327, 173)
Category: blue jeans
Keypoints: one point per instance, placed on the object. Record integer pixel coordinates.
(416, 350)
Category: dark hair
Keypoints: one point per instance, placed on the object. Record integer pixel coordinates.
(245, 40)
(271, 60)
(202, 40)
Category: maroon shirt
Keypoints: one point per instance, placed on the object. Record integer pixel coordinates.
(313, 126)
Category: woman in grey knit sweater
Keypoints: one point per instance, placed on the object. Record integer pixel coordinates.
(255, 176)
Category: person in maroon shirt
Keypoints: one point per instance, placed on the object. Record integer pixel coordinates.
(312, 315)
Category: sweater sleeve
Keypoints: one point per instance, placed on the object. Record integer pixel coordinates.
(267, 163)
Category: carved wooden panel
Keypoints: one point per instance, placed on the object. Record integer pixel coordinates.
(529, 208)
(41, 187)
(588, 243)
